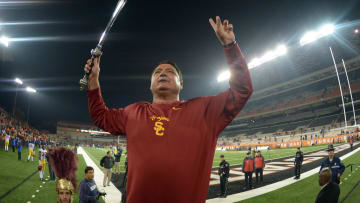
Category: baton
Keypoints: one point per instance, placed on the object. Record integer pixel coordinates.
(98, 50)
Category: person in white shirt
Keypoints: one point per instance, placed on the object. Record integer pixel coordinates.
(42, 158)
(31, 151)
(7, 140)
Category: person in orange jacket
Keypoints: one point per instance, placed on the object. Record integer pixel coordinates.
(248, 169)
(351, 142)
(259, 166)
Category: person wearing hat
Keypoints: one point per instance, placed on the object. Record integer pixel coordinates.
(248, 169)
(299, 158)
(334, 163)
(223, 172)
(259, 166)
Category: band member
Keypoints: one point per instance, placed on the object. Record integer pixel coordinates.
(64, 163)
(223, 172)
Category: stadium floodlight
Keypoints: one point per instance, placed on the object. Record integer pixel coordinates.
(223, 76)
(312, 36)
(29, 89)
(18, 81)
(356, 31)
(268, 56)
(5, 41)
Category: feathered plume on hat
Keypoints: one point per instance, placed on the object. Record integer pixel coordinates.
(64, 163)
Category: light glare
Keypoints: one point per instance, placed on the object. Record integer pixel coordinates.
(18, 81)
(223, 76)
(29, 89)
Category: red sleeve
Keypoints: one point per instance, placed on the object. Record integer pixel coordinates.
(223, 108)
(110, 120)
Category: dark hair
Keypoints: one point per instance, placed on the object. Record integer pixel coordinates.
(174, 65)
(324, 176)
(222, 156)
(107, 152)
(88, 168)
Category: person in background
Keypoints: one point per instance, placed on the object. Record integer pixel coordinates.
(31, 151)
(7, 141)
(13, 143)
(334, 163)
(117, 161)
(107, 162)
(223, 172)
(248, 169)
(19, 148)
(330, 191)
(88, 190)
(259, 166)
(351, 142)
(299, 158)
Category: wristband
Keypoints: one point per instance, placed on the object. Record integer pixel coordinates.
(230, 44)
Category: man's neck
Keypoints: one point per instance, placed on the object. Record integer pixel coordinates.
(324, 185)
(165, 99)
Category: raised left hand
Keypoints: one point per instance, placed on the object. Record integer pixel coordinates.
(223, 31)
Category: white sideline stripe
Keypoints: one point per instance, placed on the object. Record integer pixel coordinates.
(113, 195)
(271, 187)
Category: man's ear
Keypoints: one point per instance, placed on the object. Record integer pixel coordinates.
(181, 85)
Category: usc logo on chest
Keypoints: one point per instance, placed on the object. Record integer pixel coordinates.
(159, 124)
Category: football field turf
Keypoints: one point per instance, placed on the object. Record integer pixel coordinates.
(233, 157)
(19, 173)
(306, 190)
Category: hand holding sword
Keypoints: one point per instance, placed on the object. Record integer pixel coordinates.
(91, 79)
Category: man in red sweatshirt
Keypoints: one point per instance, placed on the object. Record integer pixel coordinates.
(168, 135)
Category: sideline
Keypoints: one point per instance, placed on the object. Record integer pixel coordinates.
(113, 195)
(271, 187)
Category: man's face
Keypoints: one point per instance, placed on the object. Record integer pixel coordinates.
(90, 175)
(331, 153)
(165, 79)
(258, 154)
(64, 196)
(109, 154)
(298, 150)
(222, 158)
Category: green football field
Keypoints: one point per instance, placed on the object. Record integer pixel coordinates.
(14, 172)
(233, 157)
(306, 190)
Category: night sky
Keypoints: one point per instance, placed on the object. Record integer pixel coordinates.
(53, 40)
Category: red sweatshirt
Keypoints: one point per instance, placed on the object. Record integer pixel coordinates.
(170, 147)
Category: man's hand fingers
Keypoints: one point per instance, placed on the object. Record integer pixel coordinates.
(218, 22)
(212, 23)
(226, 23)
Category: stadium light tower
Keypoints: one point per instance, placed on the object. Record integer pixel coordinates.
(31, 91)
(312, 36)
(18, 82)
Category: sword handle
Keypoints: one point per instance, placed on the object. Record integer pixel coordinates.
(84, 82)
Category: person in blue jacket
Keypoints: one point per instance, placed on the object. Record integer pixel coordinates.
(334, 164)
(13, 143)
(88, 189)
(19, 148)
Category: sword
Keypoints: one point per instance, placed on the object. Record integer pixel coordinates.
(98, 49)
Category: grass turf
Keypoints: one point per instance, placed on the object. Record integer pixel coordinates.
(14, 172)
(306, 190)
(233, 157)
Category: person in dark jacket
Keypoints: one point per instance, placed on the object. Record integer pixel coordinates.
(248, 169)
(13, 143)
(259, 166)
(107, 162)
(19, 148)
(117, 161)
(223, 172)
(330, 191)
(334, 163)
(88, 189)
(299, 158)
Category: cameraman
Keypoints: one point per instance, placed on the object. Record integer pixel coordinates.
(88, 189)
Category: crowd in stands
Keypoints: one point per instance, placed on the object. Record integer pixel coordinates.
(20, 131)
